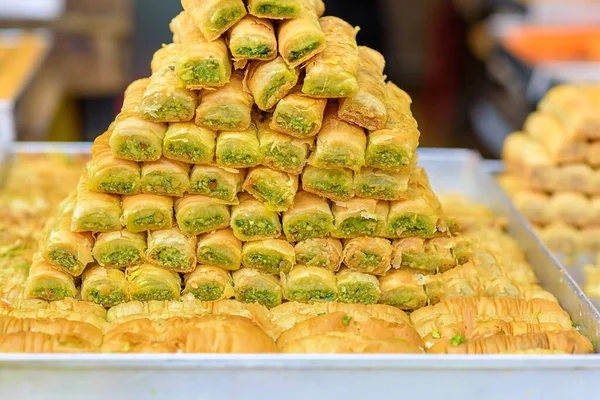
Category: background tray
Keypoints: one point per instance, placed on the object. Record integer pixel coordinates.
(132, 377)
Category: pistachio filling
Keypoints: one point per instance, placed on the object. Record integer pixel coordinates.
(121, 258)
(125, 186)
(137, 150)
(305, 296)
(170, 258)
(256, 228)
(208, 291)
(213, 256)
(258, 51)
(294, 123)
(210, 186)
(202, 72)
(358, 293)
(298, 54)
(183, 150)
(302, 228)
(264, 297)
(153, 294)
(65, 259)
(271, 263)
(114, 297)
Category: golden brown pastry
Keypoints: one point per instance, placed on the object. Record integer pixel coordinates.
(36, 342)
(570, 342)
(58, 326)
(471, 309)
(337, 342)
(286, 315)
(222, 334)
(488, 328)
(338, 321)
(546, 129)
(576, 107)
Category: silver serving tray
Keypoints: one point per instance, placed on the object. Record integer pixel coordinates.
(291, 377)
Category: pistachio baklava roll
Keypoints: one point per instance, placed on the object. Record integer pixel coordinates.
(166, 99)
(309, 217)
(105, 286)
(332, 73)
(417, 215)
(238, 149)
(145, 212)
(119, 249)
(149, 282)
(308, 284)
(228, 108)
(218, 182)
(271, 255)
(200, 63)
(331, 183)
(94, 211)
(69, 251)
(208, 283)
(299, 115)
(165, 177)
(320, 252)
(47, 283)
(425, 256)
(133, 137)
(189, 143)
(200, 214)
(380, 184)
(252, 39)
(214, 17)
(254, 286)
(367, 108)
(220, 249)
(172, 250)
(394, 147)
(368, 254)
(300, 38)
(283, 152)
(109, 174)
(355, 217)
(339, 143)
(270, 81)
(357, 287)
(251, 220)
(275, 9)
(275, 188)
(402, 289)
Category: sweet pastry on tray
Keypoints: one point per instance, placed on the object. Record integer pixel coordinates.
(332, 73)
(252, 38)
(172, 250)
(368, 107)
(189, 143)
(320, 252)
(281, 151)
(105, 286)
(201, 62)
(165, 177)
(134, 137)
(208, 283)
(299, 115)
(255, 286)
(309, 217)
(221, 249)
(357, 287)
(308, 284)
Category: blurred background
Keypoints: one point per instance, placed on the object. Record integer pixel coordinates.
(475, 68)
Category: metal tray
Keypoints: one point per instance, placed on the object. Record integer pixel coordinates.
(132, 377)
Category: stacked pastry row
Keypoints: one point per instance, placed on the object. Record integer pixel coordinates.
(317, 242)
(552, 168)
(471, 325)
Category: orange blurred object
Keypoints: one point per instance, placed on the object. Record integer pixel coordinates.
(535, 44)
